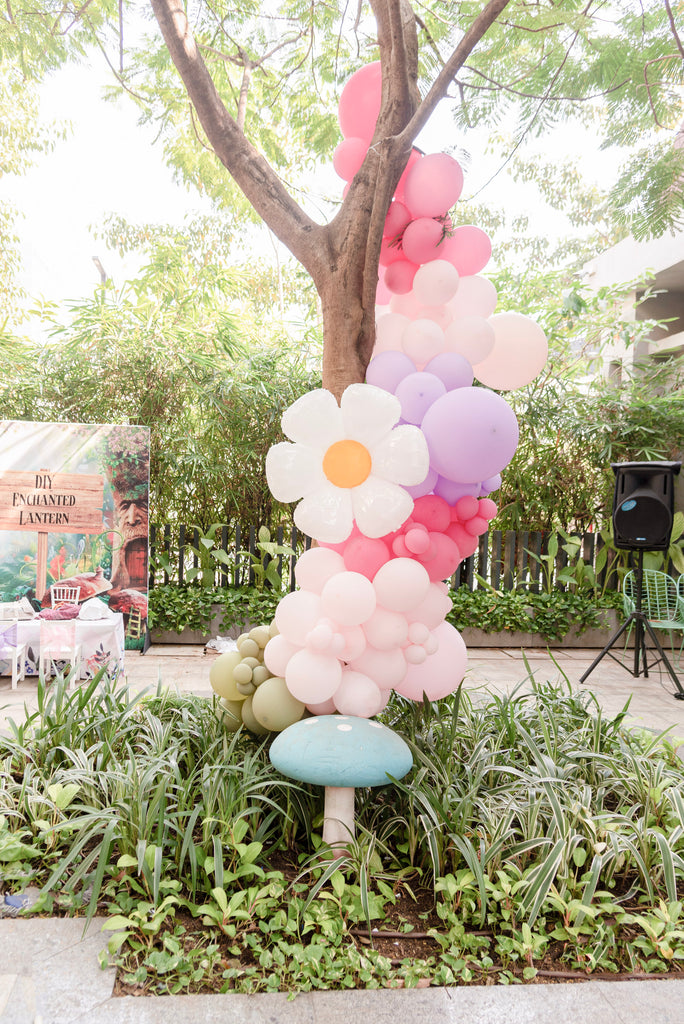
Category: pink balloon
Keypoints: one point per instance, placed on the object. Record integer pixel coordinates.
(313, 677)
(382, 292)
(359, 104)
(326, 707)
(365, 555)
(421, 240)
(348, 598)
(354, 642)
(441, 672)
(390, 252)
(388, 369)
(415, 654)
(357, 695)
(440, 314)
(466, 508)
(468, 249)
(453, 370)
(476, 296)
(466, 543)
(386, 630)
(348, 157)
(432, 512)
(406, 305)
(476, 526)
(471, 433)
(487, 508)
(471, 337)
(415, 157)
(417, 392)
(396, 220)
(519, 353)
(385, 668)
(399, 276)
(388, 331)
(277, 654)
(296, 615)
(401, 584)
(436, 282)
(442, 559)
(422, 340)
(433, 185)
(315, 567)
(417, 539)
(434, 607)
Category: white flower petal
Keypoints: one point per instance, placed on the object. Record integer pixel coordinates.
(292, 470)
(326, 514)
(368, 413)
(380, 507)
(314, 420)
(402, 456)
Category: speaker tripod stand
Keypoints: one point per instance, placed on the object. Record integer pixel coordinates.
(642, 626)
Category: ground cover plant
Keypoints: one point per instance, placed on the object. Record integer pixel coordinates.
(533, 837)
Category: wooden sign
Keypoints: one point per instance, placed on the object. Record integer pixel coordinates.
(47, 502)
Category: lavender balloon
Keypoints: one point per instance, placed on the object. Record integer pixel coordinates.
(471, 433)
(453, 370)
(388, 369)
(416, 393)
(453, 492)
(426, 487)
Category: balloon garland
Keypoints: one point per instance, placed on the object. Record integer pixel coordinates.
(393, 483)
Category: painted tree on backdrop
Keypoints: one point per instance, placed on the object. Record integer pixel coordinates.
(549, 46)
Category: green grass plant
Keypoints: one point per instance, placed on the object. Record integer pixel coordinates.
(533, 834)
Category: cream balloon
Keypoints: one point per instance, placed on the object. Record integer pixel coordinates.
(519, 353)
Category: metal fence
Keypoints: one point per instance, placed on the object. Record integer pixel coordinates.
(234, 556)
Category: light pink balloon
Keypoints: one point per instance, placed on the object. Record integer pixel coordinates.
(434, 607)
(415, 157)
(326, 707)
(357, 695)
(390, 252)
(441, 315)
(313, 677)
(422, 340)
(359, 104)
(382, 292)
(297, 614)
(421, 240)
(401, 584)
(315, 567)
(433, 185)
(388, 331)
(385, 629)
(476, 296)
(348, 157)
(415, 655)
(348, 598)
(385, 668)
(396, 220)
(441, 672)
(399, 276)
(406, 305)
(436, 283)
(468, 249)
(520, 352)
(277, 654)
(354, 642)
(418, 633)
(471, 337)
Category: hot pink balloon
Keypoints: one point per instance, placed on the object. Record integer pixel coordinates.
(472, 433)
(399, 276)
(466, 508)
(476, 296)
(519, 353)
(432, 512)
(433, 185)
(487, 508)
(442, 672)
(421, 240)
(348, 157)
(359, 104)
(390, 252)
(365, 555)
(468, 249)
(436, 282)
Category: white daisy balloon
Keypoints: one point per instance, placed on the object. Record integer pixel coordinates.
(347, 462)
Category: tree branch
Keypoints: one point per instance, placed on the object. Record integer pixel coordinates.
(303, 237)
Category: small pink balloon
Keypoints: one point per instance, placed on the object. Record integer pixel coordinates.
(313, 677)
(348, 598)
(417, 540)
(396, 220)
(315, 567)
(440, 314)
(418, 633)
(476, 296)
(297, 614)
(399, 276)
(386, 630)
(359, 104)
(348, 157)
(353, 642)
(434, 607)
(476, 526)
(466, 508)
(519, 353)
(406, 305)
(421, 240)
(382, 292)
(388, 331)
(385, 668)
(436, 282)
(471, 337)
(468, 249)
(487, 508)
(415, 654)
(326, 707)
(401, 584)
(432, 512)
(422, 340)
(442, 672)
(433, 185)
(390, 252)
(388, 369)
(415, 157)
(277, 654)
(357, 695)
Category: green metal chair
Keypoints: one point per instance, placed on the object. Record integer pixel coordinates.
(662, 601)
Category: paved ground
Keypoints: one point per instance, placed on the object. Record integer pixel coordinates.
(49, 972)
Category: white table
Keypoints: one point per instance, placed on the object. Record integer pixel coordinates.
(102, 644)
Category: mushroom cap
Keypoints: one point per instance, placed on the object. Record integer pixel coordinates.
(340, 750)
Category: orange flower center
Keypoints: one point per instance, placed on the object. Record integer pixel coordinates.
(347, 463)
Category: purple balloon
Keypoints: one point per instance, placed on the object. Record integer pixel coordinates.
(388, 369)
(416, 393)
(427, 486)
(471, 433)
(453, 370)
(492, 484)
(453, 492)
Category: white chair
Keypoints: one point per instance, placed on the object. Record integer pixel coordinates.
(11, 650)
(62, 593)
(58, 643)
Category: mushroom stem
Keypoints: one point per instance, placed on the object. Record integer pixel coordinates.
(338, 817)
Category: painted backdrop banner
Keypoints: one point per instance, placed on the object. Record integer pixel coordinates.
(74, 508)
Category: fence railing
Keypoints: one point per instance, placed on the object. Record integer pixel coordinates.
(234, 556)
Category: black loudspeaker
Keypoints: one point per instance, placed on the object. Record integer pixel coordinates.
(643, 504)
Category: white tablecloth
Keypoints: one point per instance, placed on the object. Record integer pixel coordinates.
(102, 644)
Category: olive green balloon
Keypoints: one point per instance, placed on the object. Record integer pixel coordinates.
(260, 675)
(229, 713)
(274, 706)
(248, 648)
(252, 662)
(246, 688)
(242, 673)
(221, 675)
(241, 638)
(260, 635)
(249, 719)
